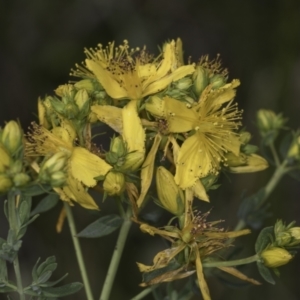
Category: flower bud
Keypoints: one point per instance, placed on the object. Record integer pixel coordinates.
(58, 179)
(114, 183)
(245, 137)
(65, 90)
(5, 183)
(169, 194)
(294, 150)
(268, 121)
(217, 81)
(133, 161)
(155, 106)
(117, 146)
(55, 163)
(82, 99)
(183, 83)
(283, 239)
(86, 84)
(16, 167)
(201, 80)
(12, 137)
(70, 111)
(254, 163)
(275, 257)
(21, 179)
(4, 160)
(233, 160)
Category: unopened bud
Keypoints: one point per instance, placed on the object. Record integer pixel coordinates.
(114, 183)
(294, 150)
(275, 257)
(254, 163)
(155, 106)
(65, 90)
(117, 146)
(233, 160)
(58, 179)
(169, 194)
(5, 160)
(201, 80)
(21, 179)
(12, 137)
(86, 84)
(55, 163)
(82, 99)
(183, 83)
(133, 161)
(245, 137)
(5, 183)
(217, 81)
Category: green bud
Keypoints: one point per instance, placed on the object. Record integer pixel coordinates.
(283, 239)
(5, 183)
(66, 91)
(183, 83)
(275, 257)
(233, 160)
(82, 99)
(169, 194)
(133, 161)
(12, 137)
(269, 123)
(201, 80)
(5, 160)
(57, 105)
(217, 81)
(21, 179)
(294, 150)
(245, 137)
(114, 183)
(16, 167)
(86, 84)
(55, 163)
(58, 179)
(117, 146)
(71, 110)
(155, 106)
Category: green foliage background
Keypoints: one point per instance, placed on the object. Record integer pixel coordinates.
(259, 42)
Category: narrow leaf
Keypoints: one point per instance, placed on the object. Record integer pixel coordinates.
(101, 227)
(263, 239)
(62, 291)
(265, 273)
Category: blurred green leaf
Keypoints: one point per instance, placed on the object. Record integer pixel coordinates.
(45, 204)
(264, 239)
(36, 190)
(101, 227)
(265, 273)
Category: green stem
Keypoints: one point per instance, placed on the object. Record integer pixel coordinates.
(14, 227)
(275, 155)
(114, 263)
(145, 292)
(230, 263)
(78, 252)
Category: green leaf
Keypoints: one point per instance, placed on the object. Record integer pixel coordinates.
(44, 277)
(35, 190)
(264, 239)
(3, 271)
(23, 211)
(52, 283)
(48, 264)
(101, 227)
(7, 289)
(34, 270)
(62, 291)
(265, 273)
(45, 204)
(285, 144)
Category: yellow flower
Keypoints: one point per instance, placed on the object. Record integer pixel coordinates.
(214, 119)
(82, 166)
(133, 73)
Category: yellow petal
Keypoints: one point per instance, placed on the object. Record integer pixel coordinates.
(193, 162)
(110, 115)
(85, 166)
(147, 170)
(238, 274)
(199, 191)
(111, 86)
(179, 117)
(201, 280)
(133, 131)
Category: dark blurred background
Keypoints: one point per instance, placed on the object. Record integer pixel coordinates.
(259, 42)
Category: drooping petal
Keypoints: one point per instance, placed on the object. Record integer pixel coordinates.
(85, 166)
(110, 115)
(133, 131)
